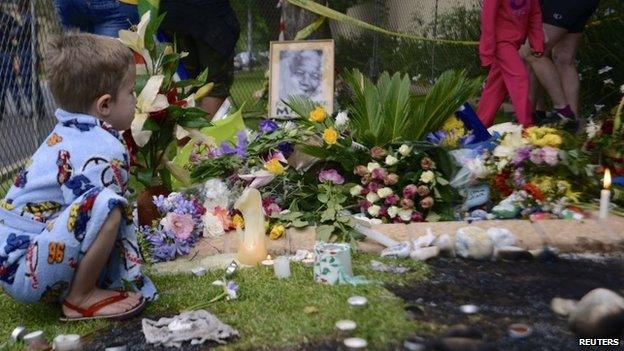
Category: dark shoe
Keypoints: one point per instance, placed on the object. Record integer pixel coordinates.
(566, 119)
(540, 118)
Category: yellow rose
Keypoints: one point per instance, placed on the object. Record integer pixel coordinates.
(274, 166)
(238, 221)
(318, 114)
(276, 232)
(330, 135)
(551, 140)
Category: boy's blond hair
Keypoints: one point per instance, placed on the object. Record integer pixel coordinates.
(82, 67)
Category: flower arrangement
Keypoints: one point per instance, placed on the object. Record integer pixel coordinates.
(400, 185)
(165, 109)
(533, 168)
(177, 230)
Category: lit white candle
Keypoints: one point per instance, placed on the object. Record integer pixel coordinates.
(282, 267)
(605, 196)
(268, 262)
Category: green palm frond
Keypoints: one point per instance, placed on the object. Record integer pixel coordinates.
(301, 105)
(386, 112)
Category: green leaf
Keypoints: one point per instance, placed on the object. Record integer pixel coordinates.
(151, 124)
(322, 198)
(328, 215)
(324, 232)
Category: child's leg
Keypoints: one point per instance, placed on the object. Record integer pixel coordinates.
(83, 291)
(492, 97)
(516, 78)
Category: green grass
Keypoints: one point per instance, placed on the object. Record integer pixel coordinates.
(269, 313)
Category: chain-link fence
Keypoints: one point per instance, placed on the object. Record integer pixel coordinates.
(26, 105)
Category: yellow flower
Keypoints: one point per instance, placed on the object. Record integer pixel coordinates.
(238, 221)
(453, 123)
(274, 166)
(276, 232)
(318, 114)
(6, 205)
(543, 136)
(330, 135)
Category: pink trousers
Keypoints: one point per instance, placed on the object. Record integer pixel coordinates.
(507, 74)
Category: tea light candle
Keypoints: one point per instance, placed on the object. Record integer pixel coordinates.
(69, 342)
(268, 262)
(520, 330)
(18, 334)
(357, 301)
(605, 196)
(469, 309)
(355, 343)
(346, 325)
(34, 337)
(282, 267)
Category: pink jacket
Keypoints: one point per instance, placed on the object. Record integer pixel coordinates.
(510, 21)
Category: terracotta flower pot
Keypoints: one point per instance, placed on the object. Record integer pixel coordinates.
(146, 209)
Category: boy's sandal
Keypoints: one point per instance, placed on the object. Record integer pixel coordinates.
(89, 312)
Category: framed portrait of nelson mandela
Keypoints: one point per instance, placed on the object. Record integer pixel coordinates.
(300, 68)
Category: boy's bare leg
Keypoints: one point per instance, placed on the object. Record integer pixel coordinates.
(83, 292)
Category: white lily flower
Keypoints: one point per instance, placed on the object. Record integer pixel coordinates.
(259, 178)
(149, 100)
(136, 40)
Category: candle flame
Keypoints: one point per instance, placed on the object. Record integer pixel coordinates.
(607, 179)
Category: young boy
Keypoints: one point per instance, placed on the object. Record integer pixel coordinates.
(505, 25)
(65, 230)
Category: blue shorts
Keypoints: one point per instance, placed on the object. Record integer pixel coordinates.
(103, 17)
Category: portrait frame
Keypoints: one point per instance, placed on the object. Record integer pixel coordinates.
(286, 54)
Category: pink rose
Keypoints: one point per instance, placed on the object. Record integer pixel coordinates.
(360, 170)
(373, 187)
(426, 163)
(364, 204)
(181, 225)
(407, 203)
(426, 202)
(365, 179)
(422, 190)
(409, 191)
(391, 179)
(378, 153)
(417, 217)
(379, 173)
(383, 211)
(536, 156)
(392, 200)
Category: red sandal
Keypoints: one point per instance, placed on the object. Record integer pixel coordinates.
(89, 312)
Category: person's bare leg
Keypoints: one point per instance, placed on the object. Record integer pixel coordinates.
(83, 292)
(545, 69)
(564, 57)
(211, 105)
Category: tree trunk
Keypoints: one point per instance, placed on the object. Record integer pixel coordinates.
(296, 18)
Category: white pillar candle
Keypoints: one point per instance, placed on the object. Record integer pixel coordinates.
(282, 267)
(69, 342)
(605, 196)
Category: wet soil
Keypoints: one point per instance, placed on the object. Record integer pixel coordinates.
(507, 293)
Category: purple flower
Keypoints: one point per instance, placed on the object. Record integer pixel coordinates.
(518, 177)
(417, 217)
(467, 140)
(268, 126)
(286, 148)
(379, 173)
(392, 199)
(536, 156)
(522, 155)
(410, 191)
(239, 149)
(373, 187)
(550, 155)
(331, 175)
(437, 138)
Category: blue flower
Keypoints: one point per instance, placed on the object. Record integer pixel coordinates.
(437, 138)
(268, 126)
(286, 148)
(241, 145)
